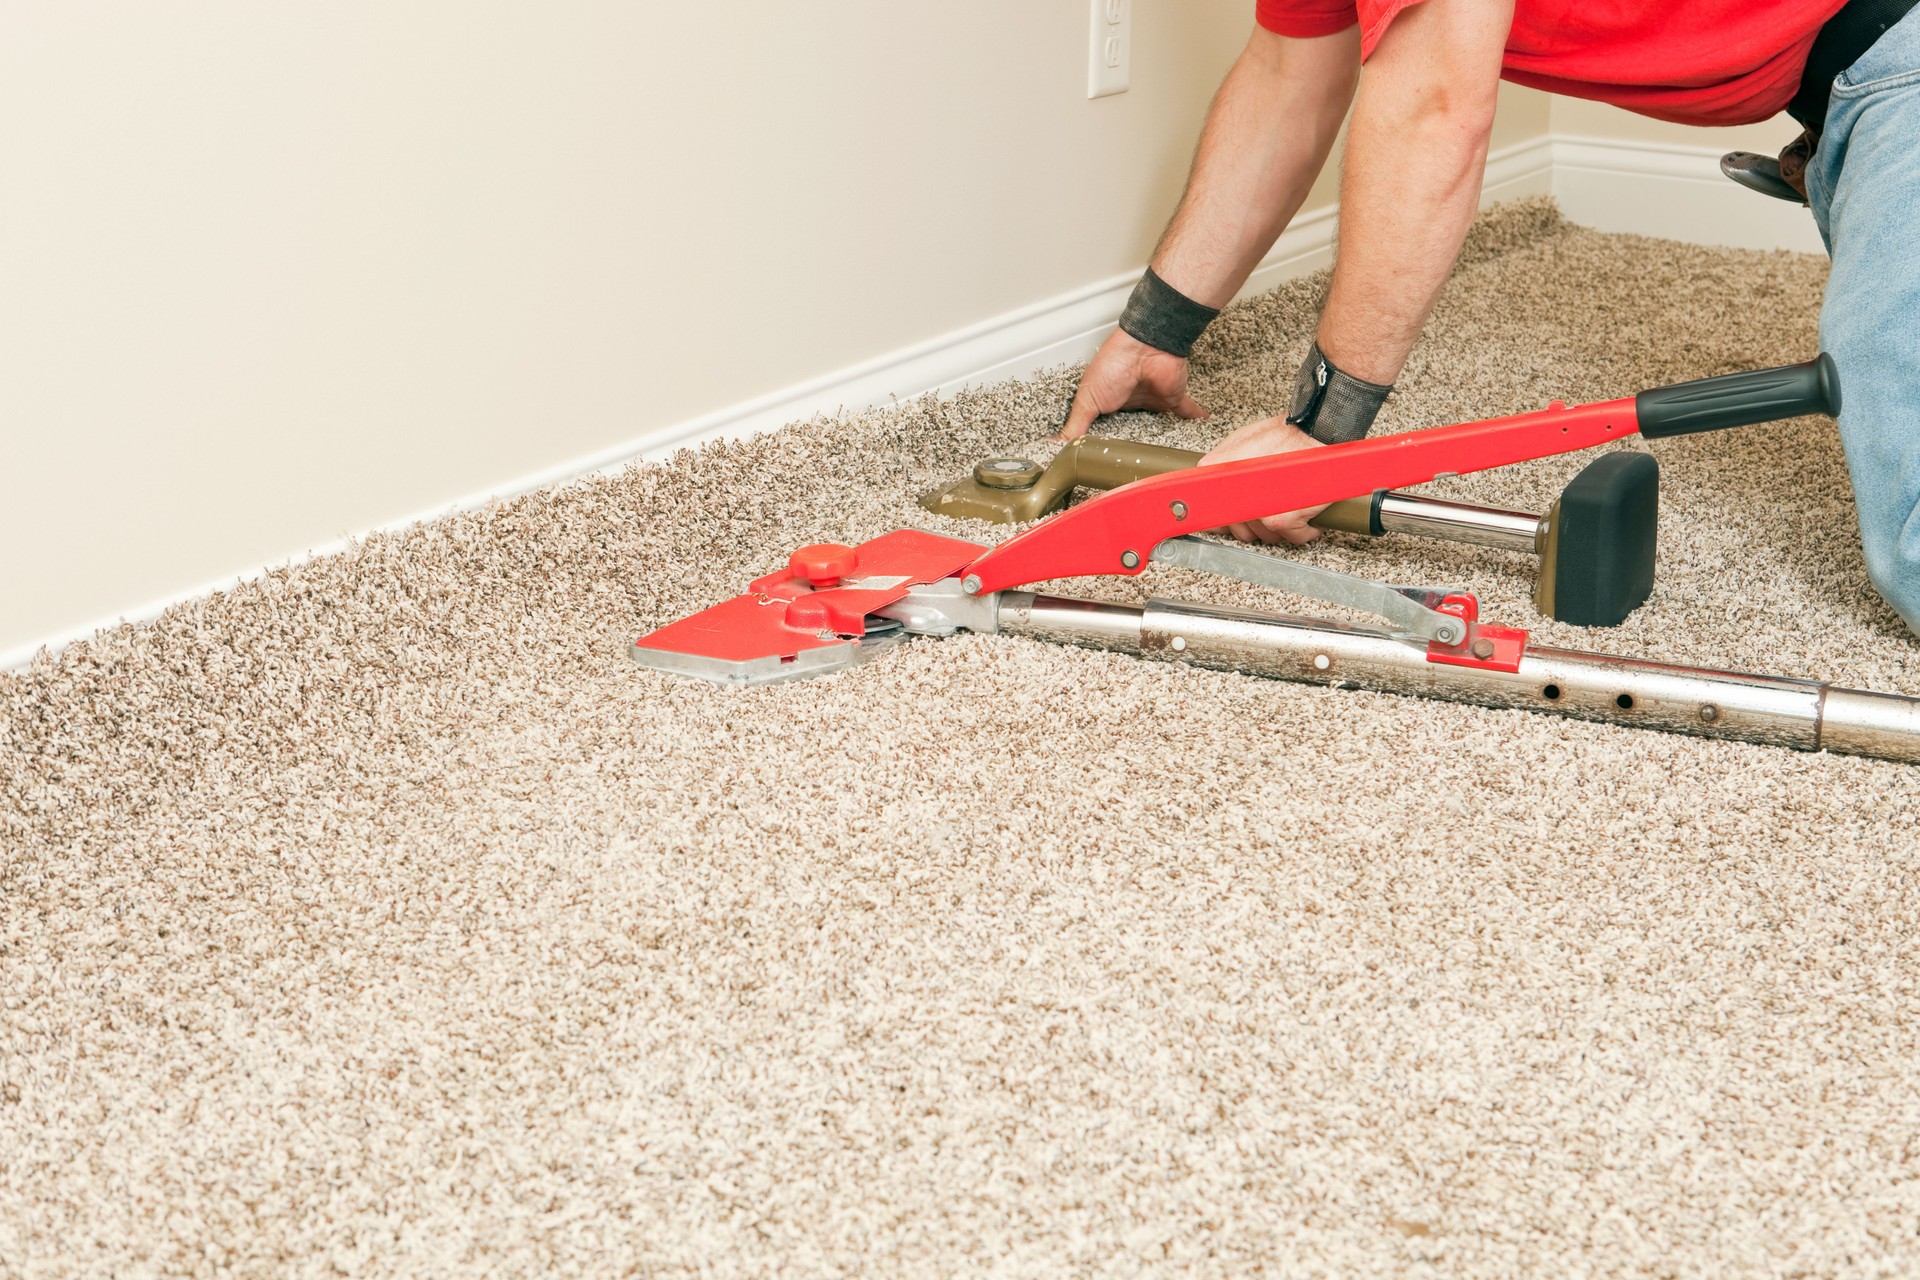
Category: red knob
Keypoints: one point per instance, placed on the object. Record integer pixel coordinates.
(823, 564)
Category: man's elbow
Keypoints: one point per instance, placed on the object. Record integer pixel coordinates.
(1442, 113)
(1329, 64)
(1435, 74)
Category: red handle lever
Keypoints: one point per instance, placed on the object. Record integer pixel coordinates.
(1117, 531)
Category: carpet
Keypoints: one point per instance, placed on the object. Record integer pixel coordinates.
(380, 918)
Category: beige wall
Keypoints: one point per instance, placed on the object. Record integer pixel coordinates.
(1574, 117)
(275, 273)
(1523, 115)
(1615, 171)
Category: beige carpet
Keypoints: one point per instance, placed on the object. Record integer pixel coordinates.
(380, 918)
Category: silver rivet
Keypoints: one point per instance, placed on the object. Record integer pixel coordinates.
(1445, 635)
(1179, 644)
(971, 584)
(1129, 559)
(1179, 511)
(1321, 662)
(1709, 712)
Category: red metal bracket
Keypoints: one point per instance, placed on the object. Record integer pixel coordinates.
(1117, 531)
(1490, 647)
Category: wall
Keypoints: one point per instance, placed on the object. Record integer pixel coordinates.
(1616, 171)
(271, 275)
(1573, 117)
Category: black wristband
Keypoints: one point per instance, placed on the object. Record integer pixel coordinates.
(1331, 406)
(1161, 316)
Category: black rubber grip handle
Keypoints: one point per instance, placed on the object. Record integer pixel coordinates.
(1737, 399)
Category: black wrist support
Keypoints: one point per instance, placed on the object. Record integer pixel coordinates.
(1161, 316)
(1331, 406)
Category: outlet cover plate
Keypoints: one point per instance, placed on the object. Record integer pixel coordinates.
(1109, 47)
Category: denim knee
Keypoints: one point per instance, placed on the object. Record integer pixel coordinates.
(1892, 564)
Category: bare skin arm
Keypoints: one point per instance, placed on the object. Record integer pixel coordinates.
(1267, 136)
(1415, 157)
(1416, 152)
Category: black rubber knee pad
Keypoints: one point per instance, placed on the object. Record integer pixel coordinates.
(1602, 567)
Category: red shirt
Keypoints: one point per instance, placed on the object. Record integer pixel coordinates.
(1694, 61)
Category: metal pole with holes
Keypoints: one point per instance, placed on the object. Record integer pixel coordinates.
(1804, 714)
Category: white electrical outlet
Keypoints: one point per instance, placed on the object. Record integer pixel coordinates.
(1109, 46)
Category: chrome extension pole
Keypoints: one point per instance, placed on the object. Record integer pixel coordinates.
(1803, 714)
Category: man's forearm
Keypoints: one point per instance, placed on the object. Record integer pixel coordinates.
(1416, 152)
(1268, 134)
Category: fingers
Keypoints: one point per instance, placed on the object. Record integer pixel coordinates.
(1127, 374)
(1298, 535)
(1274, 531)
(1297, 528)
(1257, 531)
(1080, 414)
(1275, 534)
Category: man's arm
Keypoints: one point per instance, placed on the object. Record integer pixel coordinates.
(1267, 136)
(1416, 153)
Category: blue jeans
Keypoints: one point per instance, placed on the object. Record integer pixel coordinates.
(1864, 186)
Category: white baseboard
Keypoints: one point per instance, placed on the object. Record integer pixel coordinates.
(1649, 189)
(1523, 169)
(1066, 329)
(1676, 192)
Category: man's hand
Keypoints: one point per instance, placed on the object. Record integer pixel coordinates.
(1257, 440)
(1129, 374)
(1269, 132)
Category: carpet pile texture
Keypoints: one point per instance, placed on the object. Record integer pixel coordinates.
(379, 917)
